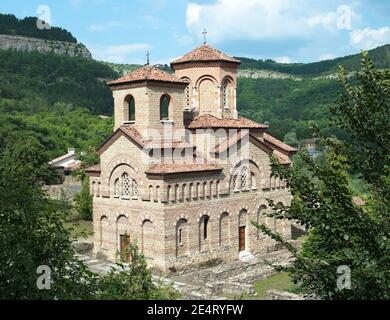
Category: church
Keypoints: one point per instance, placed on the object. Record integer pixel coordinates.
(183, 175)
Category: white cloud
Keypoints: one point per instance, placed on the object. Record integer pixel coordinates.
(268, 19)
(326, 56)
(283, 59)
(120, 53)
(193, 13)
(369, 38)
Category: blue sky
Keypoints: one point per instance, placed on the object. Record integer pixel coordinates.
(284, 30)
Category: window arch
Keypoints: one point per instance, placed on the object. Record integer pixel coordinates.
(164, 107)
(130, 105)
(244, 178)
(204, 232)
(227, 93)
(187, 94)
(181, 238)
(117, 187)
(224, 229)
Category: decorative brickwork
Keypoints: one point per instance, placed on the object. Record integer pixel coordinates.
(185, 197)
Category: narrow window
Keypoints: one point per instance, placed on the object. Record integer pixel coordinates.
(164, 107)
(125, 185)
(205, 225)
(180, 236)
(131, 109)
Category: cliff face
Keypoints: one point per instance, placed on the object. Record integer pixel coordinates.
(20, 43)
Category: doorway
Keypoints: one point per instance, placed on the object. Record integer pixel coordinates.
(124, 241)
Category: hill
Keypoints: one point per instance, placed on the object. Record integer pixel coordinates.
(380, 55)
(31, 80)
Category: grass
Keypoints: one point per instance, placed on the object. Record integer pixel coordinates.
(80, 227)
(280, 281)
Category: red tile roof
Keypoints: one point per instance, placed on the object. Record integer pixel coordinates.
(135, 135)
(147, 73)
(273, 142)
(205, 53)
(282, 158)
(171, 168)
(231, 140)
(209, 121)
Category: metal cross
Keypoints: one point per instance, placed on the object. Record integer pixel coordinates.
(204, 35)
(147, 57)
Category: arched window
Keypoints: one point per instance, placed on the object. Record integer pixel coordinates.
(244, 178)
(130, 104)
(225, 94)
(205, 227)
(134, 189)
(125, 185)
(164, 107)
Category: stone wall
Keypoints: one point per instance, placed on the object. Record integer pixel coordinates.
(282, 295)
(20, 43)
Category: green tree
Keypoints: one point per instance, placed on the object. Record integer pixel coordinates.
(32, 234)
(343, 234)
(84, 201)
(291, 138)
(133, 281)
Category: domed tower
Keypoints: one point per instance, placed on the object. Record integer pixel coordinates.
(212, 82)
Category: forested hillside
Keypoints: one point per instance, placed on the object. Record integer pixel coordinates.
(27, 27)
(55, 98)
(380, 55)
(31, 81)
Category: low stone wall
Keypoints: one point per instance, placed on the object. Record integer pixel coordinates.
(282, 295)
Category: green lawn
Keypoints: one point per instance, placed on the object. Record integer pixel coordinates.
(79, 227)
(280, 281)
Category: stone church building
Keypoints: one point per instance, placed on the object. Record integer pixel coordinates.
(183, 174)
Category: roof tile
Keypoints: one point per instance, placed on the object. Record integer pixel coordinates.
(205, 53)
(147, 73)
(209, 121)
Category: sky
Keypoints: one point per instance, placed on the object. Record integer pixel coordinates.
(283, 30)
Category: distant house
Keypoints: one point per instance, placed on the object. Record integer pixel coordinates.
(66, 164)
(311, 146)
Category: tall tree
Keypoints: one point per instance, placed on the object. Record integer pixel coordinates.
(344, 237)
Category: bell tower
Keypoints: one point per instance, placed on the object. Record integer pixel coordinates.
(212, 77)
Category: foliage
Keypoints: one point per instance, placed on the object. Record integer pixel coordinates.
(57, 129)
(379, 55)
(84, 201)
(32, 232)
(116, 286)
(287, 104)
(32, 81)
(343, 234)
(27, 27)
(291, 138)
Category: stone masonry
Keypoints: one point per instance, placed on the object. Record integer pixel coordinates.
(186, 189)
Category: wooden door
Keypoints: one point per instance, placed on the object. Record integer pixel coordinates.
(124, 243)
(241, 238)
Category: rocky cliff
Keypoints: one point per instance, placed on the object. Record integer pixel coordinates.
(20, 43)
